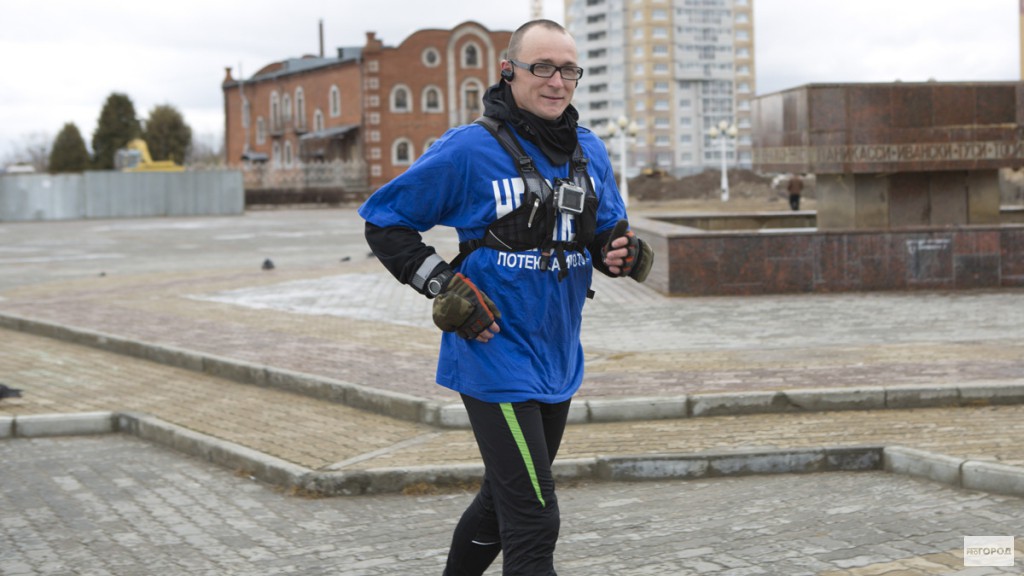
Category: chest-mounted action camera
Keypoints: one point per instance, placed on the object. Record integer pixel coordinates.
(569, 198)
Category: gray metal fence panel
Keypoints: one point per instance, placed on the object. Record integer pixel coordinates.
(102, 194)
(125, 194)
(41, 197)
(213, 193)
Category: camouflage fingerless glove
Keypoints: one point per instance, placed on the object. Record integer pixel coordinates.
(639, 254)
(463, 308)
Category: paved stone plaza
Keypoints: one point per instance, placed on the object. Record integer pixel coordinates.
(114, 504)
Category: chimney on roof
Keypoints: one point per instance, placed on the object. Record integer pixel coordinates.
(321, 37)
(227, 75)
(373, 44)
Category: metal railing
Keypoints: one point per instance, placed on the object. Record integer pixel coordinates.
(348, 175)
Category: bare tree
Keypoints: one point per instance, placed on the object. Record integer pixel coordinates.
(32, 149)
(207, 150)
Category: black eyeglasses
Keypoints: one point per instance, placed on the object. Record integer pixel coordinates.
(542, 70)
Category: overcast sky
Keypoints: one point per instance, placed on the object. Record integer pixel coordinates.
(62, 58)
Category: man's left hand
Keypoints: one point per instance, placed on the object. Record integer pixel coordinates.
(627, 255)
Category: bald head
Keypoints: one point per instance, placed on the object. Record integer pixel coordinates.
(544, 43)
(515, 44)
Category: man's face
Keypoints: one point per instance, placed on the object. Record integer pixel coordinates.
(545, 97)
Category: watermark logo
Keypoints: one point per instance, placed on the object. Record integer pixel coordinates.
(988, 550)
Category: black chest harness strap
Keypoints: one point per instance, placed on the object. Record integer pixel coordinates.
(532, 225)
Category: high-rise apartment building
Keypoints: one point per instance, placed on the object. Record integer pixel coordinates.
(675, 68)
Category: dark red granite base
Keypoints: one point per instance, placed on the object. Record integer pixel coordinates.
(749, 263)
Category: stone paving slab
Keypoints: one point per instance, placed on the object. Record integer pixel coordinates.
(114, 505)
(611, 409)
(401, 358)
(60, 378)
(329, 310)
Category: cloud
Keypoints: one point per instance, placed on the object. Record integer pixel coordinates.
(821, 41)
(63, 58)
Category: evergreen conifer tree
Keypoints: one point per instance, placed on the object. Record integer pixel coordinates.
(167, 135)
(69, 153)
(117, 126)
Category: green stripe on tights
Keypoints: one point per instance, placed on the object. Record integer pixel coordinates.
(524, 450)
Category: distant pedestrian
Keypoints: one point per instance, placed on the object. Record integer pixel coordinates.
(795, 187)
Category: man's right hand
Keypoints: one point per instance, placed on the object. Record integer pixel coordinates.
(465, 309)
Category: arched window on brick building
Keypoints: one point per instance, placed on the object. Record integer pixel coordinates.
(335, 101)
(472, 101)
(318, 120)
(300, 108)
(471, 56)
(432, 99)
(400, 101)
(275, 112)
(401, 152)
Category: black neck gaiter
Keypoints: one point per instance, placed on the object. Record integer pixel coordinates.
(555, 138)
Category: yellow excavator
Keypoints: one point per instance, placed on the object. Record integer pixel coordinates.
(135, 157)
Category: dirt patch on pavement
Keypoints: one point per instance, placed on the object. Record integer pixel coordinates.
(703, 186)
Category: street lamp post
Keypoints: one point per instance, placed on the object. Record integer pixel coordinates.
(723, 132)
(623, 127)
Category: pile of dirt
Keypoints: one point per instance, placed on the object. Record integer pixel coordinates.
(707, 184)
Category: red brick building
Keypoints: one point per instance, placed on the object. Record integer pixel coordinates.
(375, 106)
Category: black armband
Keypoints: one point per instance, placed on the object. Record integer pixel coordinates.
(402, 251)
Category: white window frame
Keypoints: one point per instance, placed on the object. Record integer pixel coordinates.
(425, 57)
(440, 100)
(393, 99)
(395, 161)
(464, 55)
(275, 111)
(300, 107)
(335, 103)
